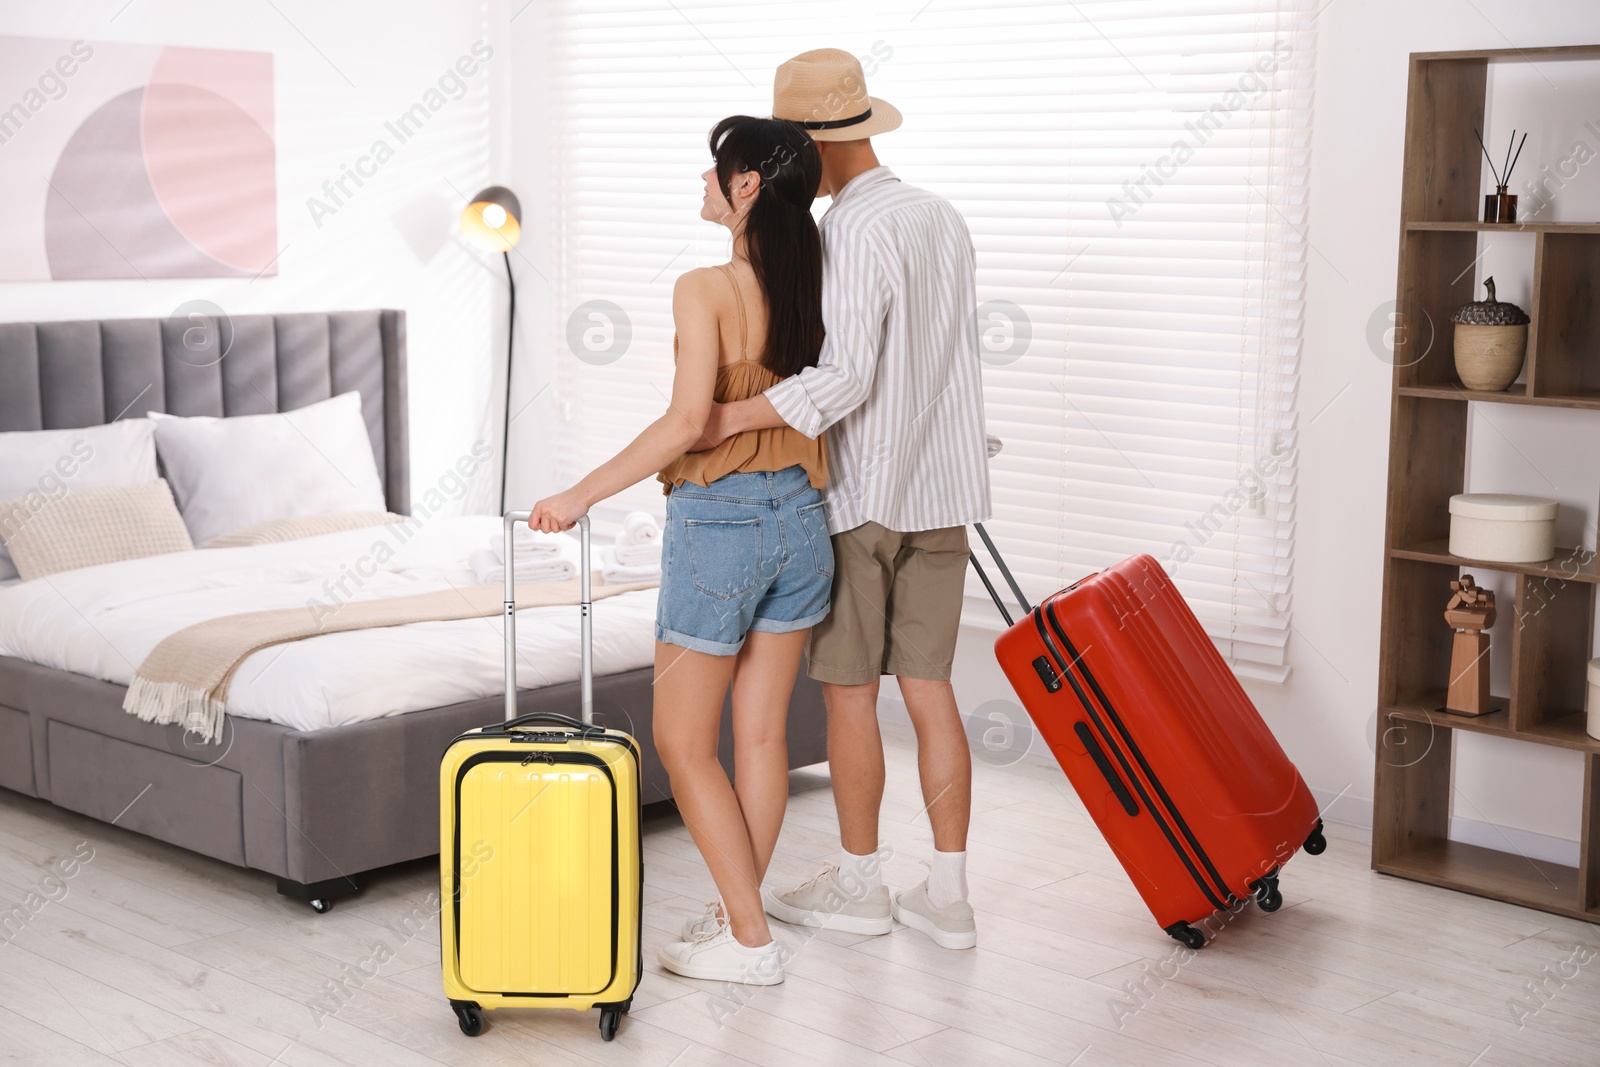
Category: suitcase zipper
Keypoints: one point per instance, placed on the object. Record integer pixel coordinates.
(1155, 782)
(587, 759)
(1039, 613)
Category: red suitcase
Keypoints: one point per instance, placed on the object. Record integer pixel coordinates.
(1166, 751)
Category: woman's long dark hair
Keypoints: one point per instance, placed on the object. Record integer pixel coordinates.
(780, 235)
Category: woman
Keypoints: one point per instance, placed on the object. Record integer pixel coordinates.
(746, 560)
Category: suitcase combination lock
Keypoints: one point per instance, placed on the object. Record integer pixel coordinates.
(1047, 674)
(541, 737)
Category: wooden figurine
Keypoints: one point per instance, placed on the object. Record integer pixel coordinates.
(1470, 612)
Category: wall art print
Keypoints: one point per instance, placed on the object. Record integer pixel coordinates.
(135, 161)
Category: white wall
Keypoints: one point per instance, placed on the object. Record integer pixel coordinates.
(540, 323)
(1326, 714)
(1509, 795)
(341, 71)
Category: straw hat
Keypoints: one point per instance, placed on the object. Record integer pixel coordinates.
(825, 91)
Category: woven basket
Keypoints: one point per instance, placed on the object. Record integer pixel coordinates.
(1489, 358)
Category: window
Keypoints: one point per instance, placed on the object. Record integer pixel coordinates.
(1134, 178)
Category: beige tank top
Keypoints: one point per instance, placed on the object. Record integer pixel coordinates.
(754, 450)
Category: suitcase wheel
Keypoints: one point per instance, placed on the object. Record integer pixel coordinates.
(1268, 898)
(1316, 844)
(610, 1018)
(470, 1016)
(1188, 935)
(1267, 895)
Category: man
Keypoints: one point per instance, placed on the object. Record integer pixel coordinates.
(898, 387)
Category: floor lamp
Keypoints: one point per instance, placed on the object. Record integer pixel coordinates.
(493, 221)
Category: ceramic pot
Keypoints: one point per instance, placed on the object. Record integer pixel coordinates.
(1489, 358)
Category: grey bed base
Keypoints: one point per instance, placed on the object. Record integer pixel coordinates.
(316, 809)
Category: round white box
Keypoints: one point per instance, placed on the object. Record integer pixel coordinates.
(1594, 699)
(1502, 528)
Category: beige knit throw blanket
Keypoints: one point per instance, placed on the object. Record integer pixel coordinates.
(185, 678)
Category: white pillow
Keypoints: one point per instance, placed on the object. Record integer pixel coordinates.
(39, 466)
(236, 472)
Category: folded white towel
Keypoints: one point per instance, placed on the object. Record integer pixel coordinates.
(614, 572)
(554, 560)
(639, 528)
(638, 544)
(488, 569)
(638, 555)
(533, 544)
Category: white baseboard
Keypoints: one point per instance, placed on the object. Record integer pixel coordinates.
(1341, 807)
(1357, 811)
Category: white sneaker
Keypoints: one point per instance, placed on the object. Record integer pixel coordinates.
(719, 957)
(824, 904)
(705, 923)
(952, 927)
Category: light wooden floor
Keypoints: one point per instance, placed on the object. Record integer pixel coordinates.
(157, 957)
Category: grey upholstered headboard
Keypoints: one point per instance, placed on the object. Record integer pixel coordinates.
(63, 375)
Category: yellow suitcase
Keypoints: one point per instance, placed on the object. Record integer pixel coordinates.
(540, 864)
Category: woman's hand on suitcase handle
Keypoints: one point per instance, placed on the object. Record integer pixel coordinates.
(556, 513)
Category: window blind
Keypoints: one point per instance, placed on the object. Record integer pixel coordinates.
(1134, 176)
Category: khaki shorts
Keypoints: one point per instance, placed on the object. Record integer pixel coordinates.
(896, 606)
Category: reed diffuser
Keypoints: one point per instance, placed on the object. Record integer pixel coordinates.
(1501, 206)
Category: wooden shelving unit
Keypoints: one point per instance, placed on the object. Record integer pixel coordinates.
(1551, 623)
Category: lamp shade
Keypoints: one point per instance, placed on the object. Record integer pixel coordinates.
(493, 221)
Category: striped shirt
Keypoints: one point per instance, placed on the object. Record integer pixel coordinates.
(898, 379)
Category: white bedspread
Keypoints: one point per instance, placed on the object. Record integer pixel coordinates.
(103, 621)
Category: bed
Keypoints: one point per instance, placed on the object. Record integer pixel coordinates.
(317, 804)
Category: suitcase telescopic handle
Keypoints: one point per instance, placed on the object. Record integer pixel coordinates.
(994, 594)
(586, 625)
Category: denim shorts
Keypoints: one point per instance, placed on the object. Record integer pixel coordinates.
(748, 552)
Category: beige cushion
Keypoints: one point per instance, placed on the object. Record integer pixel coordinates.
(87, 527)
(297, 527)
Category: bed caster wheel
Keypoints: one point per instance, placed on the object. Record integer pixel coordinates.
(470, 1016)
(1316, 844)
(321, 905)
(1188, 935)
(610, 1018)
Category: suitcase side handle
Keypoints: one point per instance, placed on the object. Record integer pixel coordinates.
(585, 605)
(1016, 590)
(1113, 779)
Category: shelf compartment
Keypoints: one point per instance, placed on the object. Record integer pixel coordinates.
(1442, 174)
(1487, 872)
(1427, 466)
(1413, 620)
(1411, 818)
(1566, 331)
(1436, 272)
(1554, 621)
(1569, 564)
